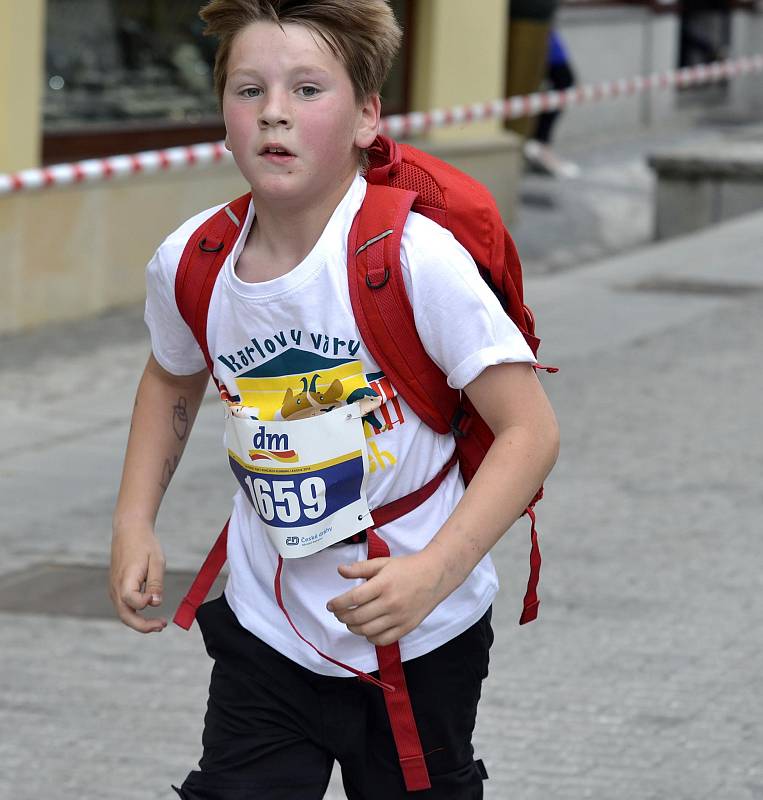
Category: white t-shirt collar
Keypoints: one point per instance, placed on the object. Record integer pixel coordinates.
(313, 261)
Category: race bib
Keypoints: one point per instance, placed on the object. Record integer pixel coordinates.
(305, 478)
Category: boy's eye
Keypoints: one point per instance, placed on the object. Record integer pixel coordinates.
(251, 91)
(309, 91)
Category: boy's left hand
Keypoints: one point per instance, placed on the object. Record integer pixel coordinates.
(398, 593)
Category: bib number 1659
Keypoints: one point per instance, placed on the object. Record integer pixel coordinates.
(281, 499)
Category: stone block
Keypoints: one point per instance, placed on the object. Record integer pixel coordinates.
(702, 185)
(739, 197)
(684, 205)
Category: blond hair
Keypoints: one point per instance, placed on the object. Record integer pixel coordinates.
(362, 34)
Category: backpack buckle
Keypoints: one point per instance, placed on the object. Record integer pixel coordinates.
(461, 422)
(215, 248)
(357, 538)
(377, 285)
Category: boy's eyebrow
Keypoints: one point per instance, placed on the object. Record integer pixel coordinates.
(300, 70)
(311, 68)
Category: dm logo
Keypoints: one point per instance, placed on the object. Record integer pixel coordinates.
(272, 447)
(292, 540)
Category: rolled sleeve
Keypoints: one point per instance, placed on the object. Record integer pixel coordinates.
(472, 366)
(172, 342)
(461, 323)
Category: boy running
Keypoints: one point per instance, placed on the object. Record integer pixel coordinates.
(299, 86)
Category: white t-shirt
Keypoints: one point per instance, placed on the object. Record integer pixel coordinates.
(266, 337)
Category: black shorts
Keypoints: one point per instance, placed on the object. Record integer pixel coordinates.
(273, 728)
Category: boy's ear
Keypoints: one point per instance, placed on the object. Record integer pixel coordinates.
(368, 125)
(227, 141)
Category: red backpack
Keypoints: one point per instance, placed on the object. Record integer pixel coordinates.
(400, 179)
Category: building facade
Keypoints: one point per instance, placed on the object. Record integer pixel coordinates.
(137, 76)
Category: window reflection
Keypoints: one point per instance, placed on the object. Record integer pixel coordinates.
(126, 75)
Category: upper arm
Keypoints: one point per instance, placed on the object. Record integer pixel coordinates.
(510, 395)
(196, 382)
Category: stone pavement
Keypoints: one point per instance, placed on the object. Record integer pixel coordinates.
(641, 680)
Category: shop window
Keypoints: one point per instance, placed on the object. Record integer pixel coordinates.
(138, 76)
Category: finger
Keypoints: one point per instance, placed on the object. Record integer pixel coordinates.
(127, 586)
(362, 614)
(133, 599)
(155, 580)
(138, 623)
(363, 569)
(375, 627)
(387, 637)
(357, 596)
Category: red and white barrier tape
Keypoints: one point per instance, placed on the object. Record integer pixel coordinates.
(102, 169)
(401, 126)
(531, 104)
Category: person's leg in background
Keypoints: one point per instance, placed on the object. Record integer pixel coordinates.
(560, 78)
(538, 149)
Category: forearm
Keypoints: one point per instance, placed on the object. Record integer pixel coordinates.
(399, 593)
(165, 409)
(512, 402)
(514, 468)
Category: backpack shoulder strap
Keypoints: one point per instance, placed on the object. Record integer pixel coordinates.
(203, 257)
(383, 310)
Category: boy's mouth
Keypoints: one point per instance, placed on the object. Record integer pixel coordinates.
(275, 152)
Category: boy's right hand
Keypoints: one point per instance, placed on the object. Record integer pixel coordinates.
(137, 559)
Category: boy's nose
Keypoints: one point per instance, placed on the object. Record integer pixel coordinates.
(274, 113)
(273, 121)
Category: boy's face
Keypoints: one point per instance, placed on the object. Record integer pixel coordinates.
(286, 91)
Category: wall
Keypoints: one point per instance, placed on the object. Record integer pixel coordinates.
(459, 53)
(459, 58)
(71, 252)
(22, 28)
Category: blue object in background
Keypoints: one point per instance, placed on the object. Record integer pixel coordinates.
(557, 52)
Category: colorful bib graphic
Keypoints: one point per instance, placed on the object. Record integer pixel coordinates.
(307, 483)
(298, 384)
(306, 478)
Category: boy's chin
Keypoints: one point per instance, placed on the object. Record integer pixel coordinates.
(292, 189)
(278, 187)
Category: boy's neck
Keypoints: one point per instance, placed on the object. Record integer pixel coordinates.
(282, 237)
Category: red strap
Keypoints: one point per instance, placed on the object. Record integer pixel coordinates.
(210, 569)
(203, 257)
(364, 676)
(398, 702)
(550, 370)
(382, 309)
(399, 508)
(396, 697)
(385, 319)
(531, 602)
(381, 516)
